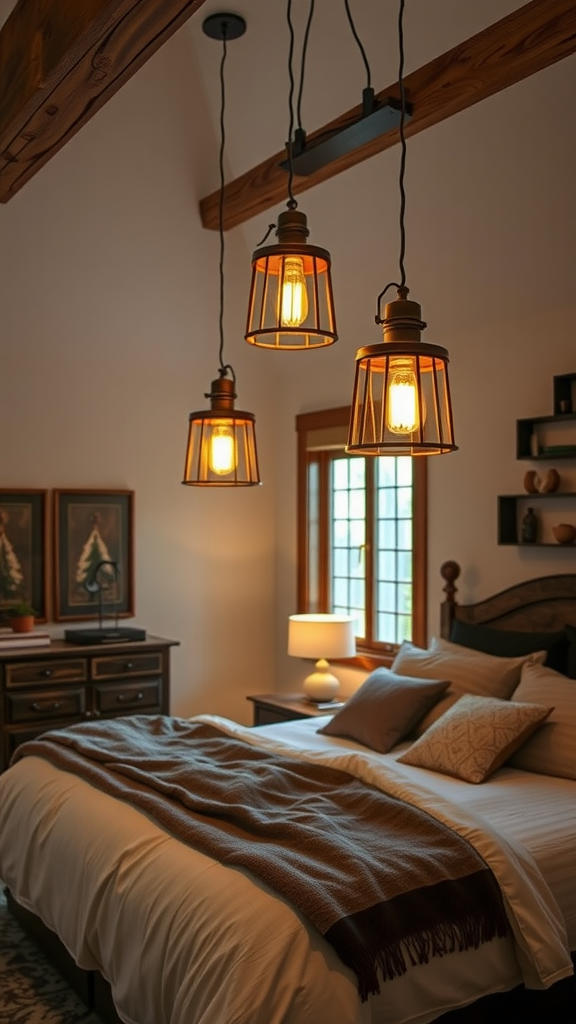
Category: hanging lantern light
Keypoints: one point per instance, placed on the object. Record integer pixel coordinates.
(401, 399)
(291, 303)
(221, 449)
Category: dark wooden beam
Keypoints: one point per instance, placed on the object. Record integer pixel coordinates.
(60, 61)
(526, 41)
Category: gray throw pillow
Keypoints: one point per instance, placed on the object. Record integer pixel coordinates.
(385, 709)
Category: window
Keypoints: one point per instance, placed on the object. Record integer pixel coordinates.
(361, 536)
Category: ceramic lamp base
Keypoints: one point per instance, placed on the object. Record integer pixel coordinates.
(321, 685)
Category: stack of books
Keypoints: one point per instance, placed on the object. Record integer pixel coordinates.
(10, 640)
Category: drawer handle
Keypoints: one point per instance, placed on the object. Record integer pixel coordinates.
(39, 706)
(128, 666)
(47, 672)
(130, 698)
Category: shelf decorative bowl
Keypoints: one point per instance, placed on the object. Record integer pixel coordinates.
(564, 533)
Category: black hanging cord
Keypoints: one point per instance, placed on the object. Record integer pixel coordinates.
(402, 284)
(292, 204)
(360, 47)
(303, 65)
(224, 367)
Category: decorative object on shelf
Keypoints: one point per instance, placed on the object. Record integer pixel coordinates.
(564, 533)
(221, 449)
(321, 636)
(401, 400)
(548, 483)
(92, 528)
(529, 528)
(22, 617)
(291, 304)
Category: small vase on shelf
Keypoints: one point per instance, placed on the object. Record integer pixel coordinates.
(529, 527)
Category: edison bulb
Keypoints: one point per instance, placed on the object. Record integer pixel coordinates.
(403, 413)
(294, 298)
(222, 454)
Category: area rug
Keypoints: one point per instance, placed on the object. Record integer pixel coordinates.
(31, 990)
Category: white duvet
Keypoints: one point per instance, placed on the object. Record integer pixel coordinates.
(184, 940)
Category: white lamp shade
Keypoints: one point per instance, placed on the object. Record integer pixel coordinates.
(321, 636)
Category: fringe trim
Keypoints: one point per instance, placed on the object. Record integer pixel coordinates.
(449, 917)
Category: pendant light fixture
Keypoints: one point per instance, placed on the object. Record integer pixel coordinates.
(401, 400)
(291, 304)
(221, 449)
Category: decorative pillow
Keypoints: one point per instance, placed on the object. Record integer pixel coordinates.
(508, 644)
(552, 751)
(468, 671)
(475, 736)
(384, 709)
(571, 667)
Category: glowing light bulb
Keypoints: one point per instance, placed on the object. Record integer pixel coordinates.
(222, 454)
(403, 413)
(294, 298)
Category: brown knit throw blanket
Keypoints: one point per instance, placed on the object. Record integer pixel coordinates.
(383, 882)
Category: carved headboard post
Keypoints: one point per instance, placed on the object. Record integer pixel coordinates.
(449, 572)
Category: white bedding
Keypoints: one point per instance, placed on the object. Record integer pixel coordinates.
(184, 940)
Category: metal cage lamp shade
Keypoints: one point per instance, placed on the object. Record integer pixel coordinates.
(401, 400)
(319, 636)
(291, 304)
(221, 449)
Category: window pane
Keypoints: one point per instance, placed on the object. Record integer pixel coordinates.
(393, 585)
(348, 538)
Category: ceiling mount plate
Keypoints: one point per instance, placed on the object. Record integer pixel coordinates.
(224, 26)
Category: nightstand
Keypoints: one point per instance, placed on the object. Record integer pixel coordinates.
(276, 707)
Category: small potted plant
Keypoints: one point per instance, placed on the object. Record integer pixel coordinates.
(21, 617)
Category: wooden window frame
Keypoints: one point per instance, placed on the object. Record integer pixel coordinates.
(368, 656)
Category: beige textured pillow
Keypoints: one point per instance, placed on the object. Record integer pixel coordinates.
(475, 736)
(469, 671)
(552, 750)
(384, 709)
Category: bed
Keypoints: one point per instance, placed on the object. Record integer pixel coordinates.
(181, 938)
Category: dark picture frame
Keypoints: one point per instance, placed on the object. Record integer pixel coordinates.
(23, 547)
(93, 554)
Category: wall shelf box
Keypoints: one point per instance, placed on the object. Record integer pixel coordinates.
(509, 506)
(542, 438)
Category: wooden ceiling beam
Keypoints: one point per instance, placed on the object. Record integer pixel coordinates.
(531, 38)
(61, 61)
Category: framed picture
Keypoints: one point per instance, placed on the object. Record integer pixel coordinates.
(93, 554)
(23, 535)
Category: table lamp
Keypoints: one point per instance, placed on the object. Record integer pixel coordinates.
(321, 637)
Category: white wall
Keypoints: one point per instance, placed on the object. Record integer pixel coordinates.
(109, 304)
(109, 325)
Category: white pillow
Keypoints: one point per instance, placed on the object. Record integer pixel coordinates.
(469, 671)
(552, 751)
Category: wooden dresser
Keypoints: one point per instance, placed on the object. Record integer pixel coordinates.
(49, 687)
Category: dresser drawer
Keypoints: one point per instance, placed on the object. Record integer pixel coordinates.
(65, 670)
(117, 698)
(127, 665)
(38, 705)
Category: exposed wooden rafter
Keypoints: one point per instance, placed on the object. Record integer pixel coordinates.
(526, 41)
(60, 61)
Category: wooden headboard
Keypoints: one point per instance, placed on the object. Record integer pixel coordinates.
(543, 604)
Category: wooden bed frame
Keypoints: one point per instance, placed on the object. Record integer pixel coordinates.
(544, 604)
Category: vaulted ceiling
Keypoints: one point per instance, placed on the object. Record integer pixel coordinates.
(62, 60)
